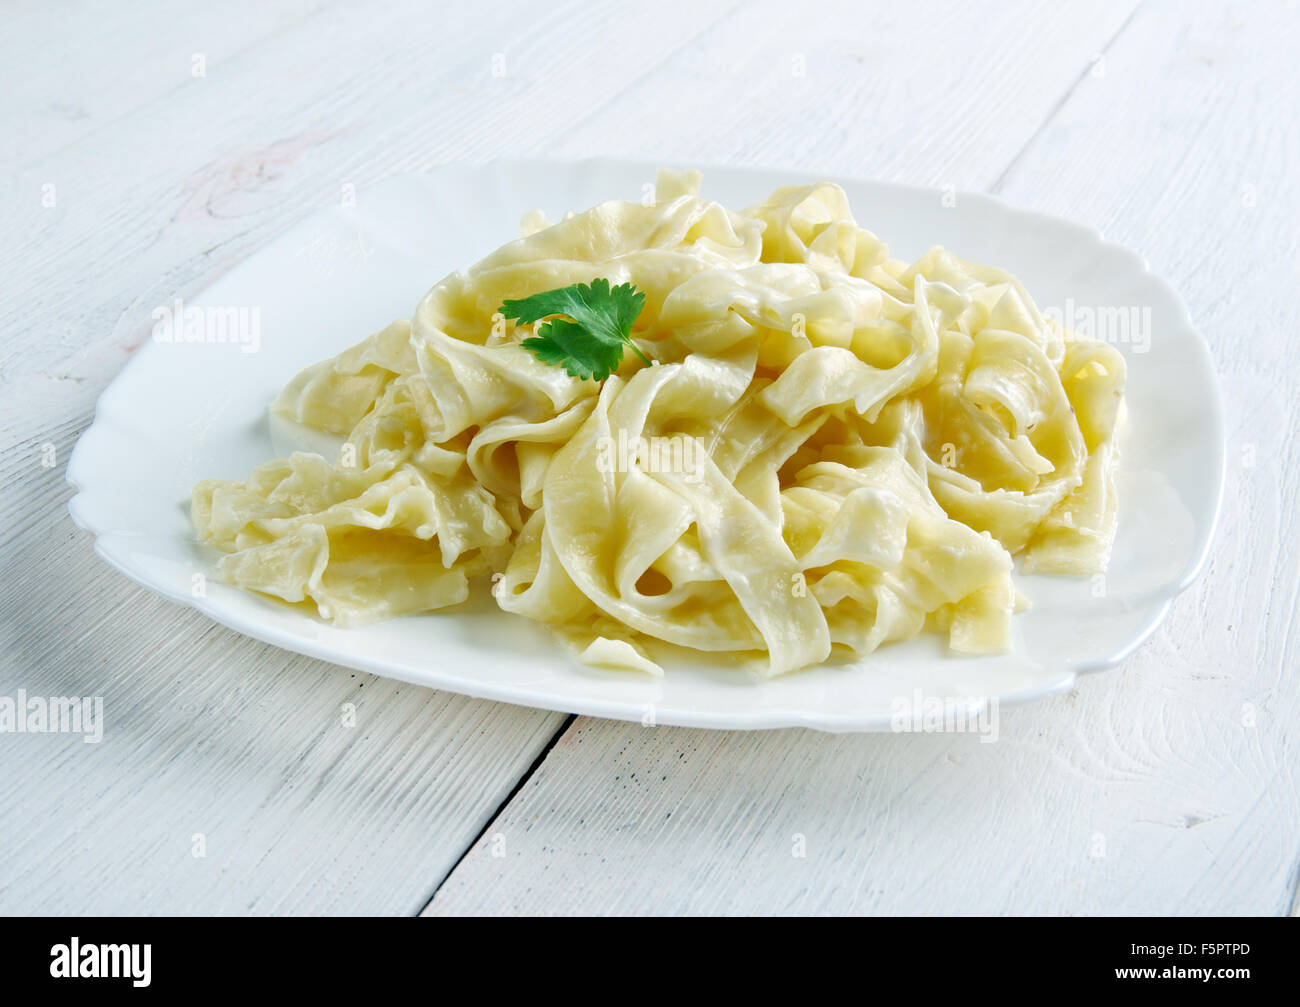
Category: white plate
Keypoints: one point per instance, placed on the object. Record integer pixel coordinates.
(180, 412)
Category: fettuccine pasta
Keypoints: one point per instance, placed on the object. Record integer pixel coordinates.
(833, 448)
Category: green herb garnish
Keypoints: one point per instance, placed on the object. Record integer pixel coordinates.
(589, 341)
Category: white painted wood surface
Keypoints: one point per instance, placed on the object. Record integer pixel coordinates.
(1167, 786)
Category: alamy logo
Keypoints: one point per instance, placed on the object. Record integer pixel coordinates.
(677, 454)
(945, 715)
(23, 714)
(176, 323)
(1118, 325)
(75, 960)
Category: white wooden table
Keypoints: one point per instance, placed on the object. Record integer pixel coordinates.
(147, 148)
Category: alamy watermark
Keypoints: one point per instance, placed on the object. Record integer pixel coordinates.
(923, 714)
(1118, 325)
(76, 960)
(677, 453)
(239, 325)
(23, 714)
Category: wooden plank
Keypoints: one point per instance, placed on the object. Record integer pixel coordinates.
(228, 781)
(931, 94)
(72, 74)
(1167, 786)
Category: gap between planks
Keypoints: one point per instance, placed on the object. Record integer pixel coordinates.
(1066, 95)
(492, 818)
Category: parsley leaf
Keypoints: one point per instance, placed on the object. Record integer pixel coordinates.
(589, 342)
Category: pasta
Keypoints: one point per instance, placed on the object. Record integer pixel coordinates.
(833, 448)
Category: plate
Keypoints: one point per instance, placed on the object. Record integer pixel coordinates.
(182, 411)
